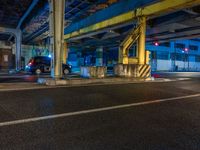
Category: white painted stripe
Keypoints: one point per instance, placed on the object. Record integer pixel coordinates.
(35, 119)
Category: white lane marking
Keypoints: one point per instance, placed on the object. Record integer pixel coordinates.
(28, 120)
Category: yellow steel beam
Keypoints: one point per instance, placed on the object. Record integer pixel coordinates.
(127, 43)
(166, 6)
(110, 22)
(156, 9)
(131, 38)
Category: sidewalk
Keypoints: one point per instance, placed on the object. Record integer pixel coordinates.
(63, 83)
(20, 86)
(176, 74)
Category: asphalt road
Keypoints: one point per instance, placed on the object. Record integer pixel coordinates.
(142, 116)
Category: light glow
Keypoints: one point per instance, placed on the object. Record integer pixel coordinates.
(156, 44)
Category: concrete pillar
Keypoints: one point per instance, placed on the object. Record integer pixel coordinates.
(18, 40)
(141, 40)
(56, 23)
(99, 56)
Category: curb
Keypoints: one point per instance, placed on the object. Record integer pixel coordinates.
(71, 82)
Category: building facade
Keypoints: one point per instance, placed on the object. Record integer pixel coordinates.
(182, 55)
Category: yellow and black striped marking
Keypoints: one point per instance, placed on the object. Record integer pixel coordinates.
(144, 71)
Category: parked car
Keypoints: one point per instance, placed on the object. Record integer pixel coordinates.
(42, 64)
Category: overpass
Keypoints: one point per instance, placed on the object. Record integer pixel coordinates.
(104, 24)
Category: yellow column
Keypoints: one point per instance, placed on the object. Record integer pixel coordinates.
(120, 56)
(147, 59)
(65, 53)
(141, 40)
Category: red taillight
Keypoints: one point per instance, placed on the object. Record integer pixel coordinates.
(31, 62)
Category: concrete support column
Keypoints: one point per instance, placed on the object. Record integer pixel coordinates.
(57, 9)
(141, 40)
(18, 40)
(99, 56)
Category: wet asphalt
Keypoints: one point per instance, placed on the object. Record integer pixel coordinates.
(170, 125)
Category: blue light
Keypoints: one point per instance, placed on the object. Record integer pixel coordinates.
(49, 56)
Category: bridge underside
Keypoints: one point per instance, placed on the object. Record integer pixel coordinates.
(99, 25)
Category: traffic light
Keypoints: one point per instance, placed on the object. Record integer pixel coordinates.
(156, 43)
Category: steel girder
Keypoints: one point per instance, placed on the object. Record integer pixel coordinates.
(157, 9)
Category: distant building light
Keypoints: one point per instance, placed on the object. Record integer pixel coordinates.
(186, 49)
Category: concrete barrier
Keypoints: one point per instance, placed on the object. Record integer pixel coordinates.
(132, 70)
(93, 72)
(92, 81)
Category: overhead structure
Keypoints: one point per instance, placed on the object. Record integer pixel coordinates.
(31, 7)
(138, 66)
(37, 28)
(87, 26)
(153, 10)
